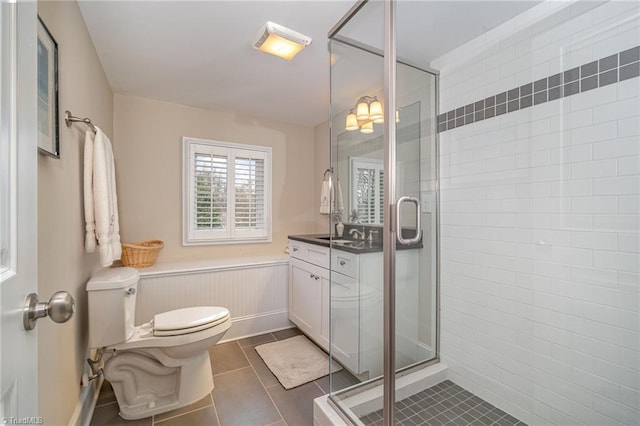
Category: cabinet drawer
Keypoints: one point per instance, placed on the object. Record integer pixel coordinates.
(311, 253)
(344, 263)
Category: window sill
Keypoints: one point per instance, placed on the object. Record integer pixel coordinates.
(226, 242)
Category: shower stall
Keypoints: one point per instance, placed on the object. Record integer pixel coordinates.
(488, 157)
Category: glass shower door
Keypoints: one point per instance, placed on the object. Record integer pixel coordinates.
(415, 261)
(361, 173)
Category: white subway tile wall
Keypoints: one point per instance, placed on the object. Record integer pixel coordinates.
(540, 223)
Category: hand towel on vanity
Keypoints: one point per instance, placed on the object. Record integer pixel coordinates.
(339, 200)
(325, 197)
(105, 201)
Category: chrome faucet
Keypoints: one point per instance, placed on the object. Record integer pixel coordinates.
(357, 234)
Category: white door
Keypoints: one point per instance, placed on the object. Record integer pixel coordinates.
(18, 209)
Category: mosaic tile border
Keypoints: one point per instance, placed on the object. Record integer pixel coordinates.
(612, 69)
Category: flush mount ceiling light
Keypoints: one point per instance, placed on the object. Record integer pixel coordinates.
(280, 41)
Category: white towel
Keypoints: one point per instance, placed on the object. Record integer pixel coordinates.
(325, 197)
(102, 194)
(339, 200)
(90, 222)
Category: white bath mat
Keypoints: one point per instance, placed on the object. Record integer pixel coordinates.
(295, 361)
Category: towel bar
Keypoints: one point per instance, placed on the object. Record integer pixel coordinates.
(69, 118)
(330, 171)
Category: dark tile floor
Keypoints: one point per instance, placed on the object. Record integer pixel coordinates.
(245, 392)
(445, 404)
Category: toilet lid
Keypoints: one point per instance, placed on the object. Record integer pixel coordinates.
(188, 320)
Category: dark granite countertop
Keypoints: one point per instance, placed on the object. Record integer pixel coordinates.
(348, 244)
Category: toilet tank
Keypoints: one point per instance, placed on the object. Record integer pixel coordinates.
(112, 303)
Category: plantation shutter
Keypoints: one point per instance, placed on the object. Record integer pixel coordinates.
(249, 187)
(380, 196)
(227, 198)
(210, 192)
(207, 209)
(367, 196)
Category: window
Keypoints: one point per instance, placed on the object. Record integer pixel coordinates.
(367, 196)
(227, 192)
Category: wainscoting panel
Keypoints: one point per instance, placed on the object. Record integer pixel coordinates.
(255, 292)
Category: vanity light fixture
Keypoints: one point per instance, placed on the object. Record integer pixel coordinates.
(280, 41)
(367, 112)
(375, 112)
(352, 122)
(362, 109)
(367, 127)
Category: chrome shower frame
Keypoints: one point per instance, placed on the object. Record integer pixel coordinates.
(389, 248)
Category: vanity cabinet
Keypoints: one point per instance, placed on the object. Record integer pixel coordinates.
(309, 290)
(340, 293)
(314, 292)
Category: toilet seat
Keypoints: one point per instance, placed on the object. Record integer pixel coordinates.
(144, 335)
(188, 320)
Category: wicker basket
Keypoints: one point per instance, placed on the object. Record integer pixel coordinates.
(141, 254)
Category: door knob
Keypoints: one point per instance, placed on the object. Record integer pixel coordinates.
(59, 308)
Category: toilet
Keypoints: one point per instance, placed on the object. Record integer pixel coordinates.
(157, 366)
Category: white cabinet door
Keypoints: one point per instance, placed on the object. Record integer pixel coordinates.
(304, 296)
(371, 310)
(323, 332)
(345, 323)
(408, 347)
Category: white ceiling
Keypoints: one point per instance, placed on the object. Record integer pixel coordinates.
(200, 53)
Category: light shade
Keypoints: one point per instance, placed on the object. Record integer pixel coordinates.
(362, 111)
(367, 127)
(397, 116)
(352, 122)
(375, 112)
(280, 41)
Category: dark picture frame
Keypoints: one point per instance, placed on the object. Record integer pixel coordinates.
(48, 127)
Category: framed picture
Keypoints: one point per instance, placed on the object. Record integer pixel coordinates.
(48, 134)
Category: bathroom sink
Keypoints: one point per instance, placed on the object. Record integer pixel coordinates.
(347, 244)
(337, 241)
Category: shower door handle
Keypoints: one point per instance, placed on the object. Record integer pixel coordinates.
(416, 239)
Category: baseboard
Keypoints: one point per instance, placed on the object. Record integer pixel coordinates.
(252, 325)
(86, 403)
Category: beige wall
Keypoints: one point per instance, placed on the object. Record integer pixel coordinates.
(62, 263)
(148, 153)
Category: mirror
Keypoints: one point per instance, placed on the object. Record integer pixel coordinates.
(360, 173)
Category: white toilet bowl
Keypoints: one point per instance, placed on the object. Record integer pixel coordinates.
(160, 365)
